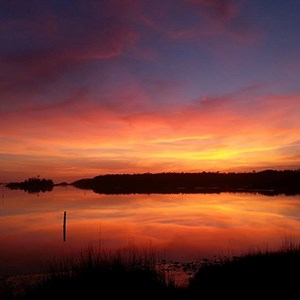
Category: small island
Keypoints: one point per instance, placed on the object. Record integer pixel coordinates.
(33, 185)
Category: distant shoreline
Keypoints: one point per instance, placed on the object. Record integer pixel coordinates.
(269, 182)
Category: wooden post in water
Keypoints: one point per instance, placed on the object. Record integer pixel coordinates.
(64, 226)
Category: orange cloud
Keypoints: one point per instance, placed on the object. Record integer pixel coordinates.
(81, 136)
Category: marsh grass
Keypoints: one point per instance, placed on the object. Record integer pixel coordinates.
(256, 274)
(133, 272)
(92, 274)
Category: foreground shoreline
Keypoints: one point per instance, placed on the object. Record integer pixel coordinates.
(135, 273)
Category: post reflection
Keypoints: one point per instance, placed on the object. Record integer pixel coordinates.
(64, 226)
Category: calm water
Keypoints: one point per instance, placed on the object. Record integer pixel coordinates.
(180, 226)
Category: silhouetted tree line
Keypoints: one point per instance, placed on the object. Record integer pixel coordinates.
(270, 182)
(33, 185)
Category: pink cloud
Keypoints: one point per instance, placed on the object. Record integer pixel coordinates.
(54, 44)
(129, 114)
(224, 9)
(215, 18)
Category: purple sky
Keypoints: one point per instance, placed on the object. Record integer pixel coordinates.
(120, 86)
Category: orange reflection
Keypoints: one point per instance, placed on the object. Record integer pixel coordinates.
(178, 226)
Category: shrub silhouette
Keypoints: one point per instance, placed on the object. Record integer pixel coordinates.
(33, 185)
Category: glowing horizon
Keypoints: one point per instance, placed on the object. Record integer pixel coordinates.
(136, 86)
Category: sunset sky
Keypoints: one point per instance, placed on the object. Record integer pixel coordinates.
(90, 87)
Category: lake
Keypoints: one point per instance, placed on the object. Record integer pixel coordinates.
(179, 227)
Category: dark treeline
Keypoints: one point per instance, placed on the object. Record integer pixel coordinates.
(33, 185)
(270, 182)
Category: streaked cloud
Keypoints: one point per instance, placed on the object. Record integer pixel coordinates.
(89, 87)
